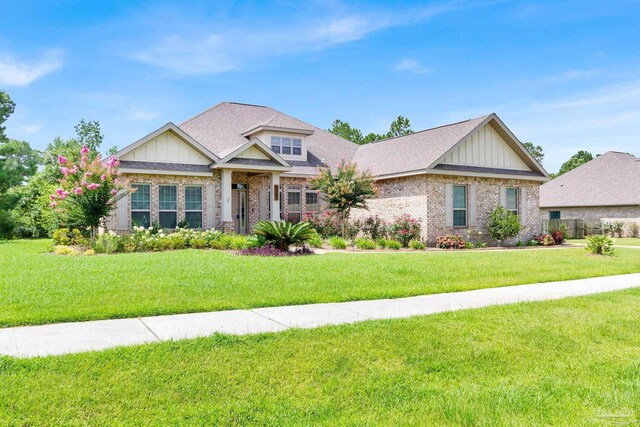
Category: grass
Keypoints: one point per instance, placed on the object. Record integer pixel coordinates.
(569, 362)
(37, 287)
(622, 241)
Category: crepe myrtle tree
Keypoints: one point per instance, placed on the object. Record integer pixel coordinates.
(347, 189)
(90, 188)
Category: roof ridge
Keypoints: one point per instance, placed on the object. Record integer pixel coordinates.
(217, 105)
(244, 103)
(428, 129)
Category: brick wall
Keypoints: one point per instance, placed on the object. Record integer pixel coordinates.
(178, 180)
(423, 197)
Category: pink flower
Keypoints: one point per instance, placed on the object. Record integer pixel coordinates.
(53, 204)
(73, 170)
(64, 195)
(84, 150)
(83, 183)
(88, 174)
(65, 171)
(114, 192)
(112, 161)
(103, 177)
(78, 190)
(52, 196)
(62, 159)
(59, 191)
(93, 186)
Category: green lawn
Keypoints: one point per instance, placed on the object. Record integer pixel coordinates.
(569, 362)
(623, 241)
(37, 287)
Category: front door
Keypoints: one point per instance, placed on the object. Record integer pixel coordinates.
(239, 210)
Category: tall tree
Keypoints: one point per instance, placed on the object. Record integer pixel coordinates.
(578, 159)
(7, 107)
(89, 135)
(399, 127)
(18, 161)
(535, 151)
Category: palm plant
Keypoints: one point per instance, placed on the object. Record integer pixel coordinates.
(282, 234)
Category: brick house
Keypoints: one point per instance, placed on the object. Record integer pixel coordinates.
(603, 189)
(235, 164)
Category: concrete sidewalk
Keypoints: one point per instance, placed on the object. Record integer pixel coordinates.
(76, 337)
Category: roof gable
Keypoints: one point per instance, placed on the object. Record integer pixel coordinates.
(252, 153)
(168, 144)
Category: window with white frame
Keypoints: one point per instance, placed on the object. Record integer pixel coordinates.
(294, 205)
(512, 200)
(311, 201)
(459, 205)
(168, 206)
(141, 205)
(193, 205)
(286, 146)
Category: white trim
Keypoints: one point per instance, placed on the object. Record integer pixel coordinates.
(251, 167)
(178, 132)
(254, 141)
(456, 173)
(163, 172)
(277, 129)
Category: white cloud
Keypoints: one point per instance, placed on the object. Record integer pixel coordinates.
(16, 73)
(31, 128)
(411, 65)
(206, 47)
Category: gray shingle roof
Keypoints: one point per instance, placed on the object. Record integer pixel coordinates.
(415, 151)
(220, 129)
(612, 179)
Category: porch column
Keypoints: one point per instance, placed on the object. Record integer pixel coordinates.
(226, 196)
(275, 196)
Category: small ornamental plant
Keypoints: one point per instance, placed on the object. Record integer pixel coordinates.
(89, 188)
(503, 224)
(404, 229)
(450, 241)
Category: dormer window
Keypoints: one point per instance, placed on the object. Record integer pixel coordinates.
(286, 146)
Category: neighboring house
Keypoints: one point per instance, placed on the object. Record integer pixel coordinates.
(606, 188)
(235, 164)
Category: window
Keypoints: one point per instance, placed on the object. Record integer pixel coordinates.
(168, 206)
(459, 206)
(512, 200)
(286, 146)
(293, 204)
(141, 205)
(311, 201)
(193, 206)
(554, 214)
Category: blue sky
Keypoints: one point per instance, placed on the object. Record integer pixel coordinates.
(563, 74)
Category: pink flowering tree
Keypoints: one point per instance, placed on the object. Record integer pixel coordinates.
(346, 189)
(90, 188)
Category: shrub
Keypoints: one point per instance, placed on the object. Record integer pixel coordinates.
(503, 224)
(533, 242)
(63, 236)
(520, 244)
(373, 227)
(326, 223)
(198, 243)
(450, 241)
(315, 241)
(337, 242)
(404, 229)
(365, 244)
(481, 245)
(106, 243)
(282, 234)
(545, 240)
(417, 245)
(599, 245)
(468, 245)
(558, 237)
(634, 229)
(64, 250)
(393, 244)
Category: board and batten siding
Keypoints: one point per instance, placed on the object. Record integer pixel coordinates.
(167, 148)
(253, 152)
(484, 148)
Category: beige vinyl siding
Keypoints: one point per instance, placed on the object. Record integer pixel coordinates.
(166, 148)
(484, 148)
(253, 152)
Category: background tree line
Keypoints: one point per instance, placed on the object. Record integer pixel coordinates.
(28, 177)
